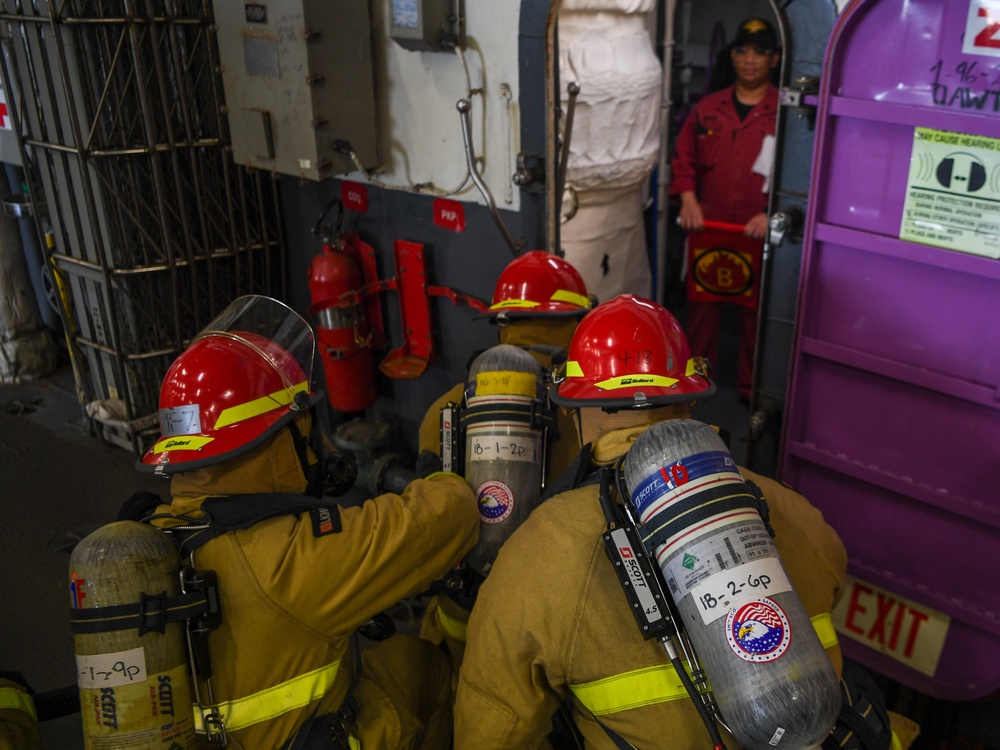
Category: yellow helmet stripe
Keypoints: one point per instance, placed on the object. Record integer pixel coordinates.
(259, 406)
(573, 370)
(565, 295)
(182, 443)
(506, 383)
(631, 381)
(523, 303)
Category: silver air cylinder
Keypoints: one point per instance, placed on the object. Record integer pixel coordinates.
(504, 445)
(774, 683)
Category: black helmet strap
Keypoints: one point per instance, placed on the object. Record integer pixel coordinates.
(312, 472)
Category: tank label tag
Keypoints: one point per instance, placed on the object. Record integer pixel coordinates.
(154, 712)
(716, 596)
(718, 547)
(507, 383)
(111, 670)
(503, 444)
(758, 631)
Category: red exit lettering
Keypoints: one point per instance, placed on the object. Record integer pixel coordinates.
(354, 196)
(449, 215)
(887, 618)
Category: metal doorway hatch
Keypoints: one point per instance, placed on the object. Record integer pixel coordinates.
(893, 420)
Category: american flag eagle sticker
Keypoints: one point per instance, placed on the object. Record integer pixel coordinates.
(758, 631)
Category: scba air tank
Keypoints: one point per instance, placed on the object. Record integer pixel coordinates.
(503, 421)
(135, 691)
(774, 683)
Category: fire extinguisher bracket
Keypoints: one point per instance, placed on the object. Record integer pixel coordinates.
(409, 360)
(339, 293)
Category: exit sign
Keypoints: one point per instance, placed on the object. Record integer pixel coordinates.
(900, 628)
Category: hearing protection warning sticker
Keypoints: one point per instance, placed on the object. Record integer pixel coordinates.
(953, 192)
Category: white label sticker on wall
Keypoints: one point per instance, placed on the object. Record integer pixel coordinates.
(111, 670)
(982, 29)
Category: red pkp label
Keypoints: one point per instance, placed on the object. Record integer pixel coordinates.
(449, 215)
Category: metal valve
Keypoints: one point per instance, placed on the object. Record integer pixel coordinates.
(783, 222)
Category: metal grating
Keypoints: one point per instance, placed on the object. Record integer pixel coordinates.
(120, 111)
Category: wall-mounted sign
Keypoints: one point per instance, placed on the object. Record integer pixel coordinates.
(953, 192)
(449, 215)
(982, 29)
(354, 196)
(900, 628)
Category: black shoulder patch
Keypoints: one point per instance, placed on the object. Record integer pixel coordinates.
(325, 521)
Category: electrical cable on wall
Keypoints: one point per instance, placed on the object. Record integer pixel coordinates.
(428, 188)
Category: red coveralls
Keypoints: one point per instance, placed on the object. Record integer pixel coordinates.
(713, 158)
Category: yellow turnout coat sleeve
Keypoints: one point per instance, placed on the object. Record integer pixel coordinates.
(294, 588)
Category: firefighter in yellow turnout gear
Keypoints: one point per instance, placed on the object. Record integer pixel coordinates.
(18, 719)
(538, 302)
(551, 623)
(238, 431)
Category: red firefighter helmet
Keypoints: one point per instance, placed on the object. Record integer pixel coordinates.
(243, 377)
(631, 353)
(539, 284)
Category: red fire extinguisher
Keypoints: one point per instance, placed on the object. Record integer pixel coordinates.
(336, 282)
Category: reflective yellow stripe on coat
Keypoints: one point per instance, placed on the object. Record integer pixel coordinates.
(294, 693)
(658, 684)
(455, 628)
(17, 699)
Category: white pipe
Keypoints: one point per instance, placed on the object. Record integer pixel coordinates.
(663, 170)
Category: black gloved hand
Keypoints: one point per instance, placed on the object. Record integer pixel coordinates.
(428, 462)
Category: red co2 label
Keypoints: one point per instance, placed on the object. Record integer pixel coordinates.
(449, 215)
(354, 196)
(982, 28)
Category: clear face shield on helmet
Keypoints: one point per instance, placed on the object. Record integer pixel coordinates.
(275, 332)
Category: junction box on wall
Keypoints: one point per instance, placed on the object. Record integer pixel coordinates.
(299, 83)
(425, 25)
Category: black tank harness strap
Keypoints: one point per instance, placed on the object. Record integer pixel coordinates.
(154, 611)
(221, 515)
(534, 414)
